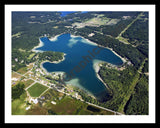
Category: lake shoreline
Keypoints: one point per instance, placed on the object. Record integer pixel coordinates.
(74, 36)
(96, 65)
(41, 44)
(55, 62)
(93, 43)
(55, 38)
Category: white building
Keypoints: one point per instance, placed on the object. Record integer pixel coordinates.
(53, 102)
(35, 101)
(27, 108)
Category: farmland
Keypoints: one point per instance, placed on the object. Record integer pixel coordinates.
(36, 89)
(96, 22)
(45, 93)
(64, 105)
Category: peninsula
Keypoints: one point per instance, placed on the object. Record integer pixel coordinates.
(80, 63)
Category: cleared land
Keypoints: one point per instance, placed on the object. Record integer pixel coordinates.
(96, 22)
(65, 105)
(36, 90)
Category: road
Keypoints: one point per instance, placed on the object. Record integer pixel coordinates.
(35, 81)
(131, 87)
(122, 39)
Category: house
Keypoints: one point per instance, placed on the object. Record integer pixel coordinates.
(27, 108)
(42, 97)
(126, 17)
(76, 94)
(16, 59)
(14, 79)
(35, 101)
(53, 102)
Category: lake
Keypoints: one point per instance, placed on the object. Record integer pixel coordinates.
(65, 13)
(81, 55)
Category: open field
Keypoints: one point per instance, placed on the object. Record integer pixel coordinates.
(18, 105)
(31, 55)
(17, 35)
(66, 105)
(70, 106)
(15, 78)
(96, 22)
(36, 90)
(22, 70)
(27, 82)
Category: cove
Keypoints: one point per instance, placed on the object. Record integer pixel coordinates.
(78, 49)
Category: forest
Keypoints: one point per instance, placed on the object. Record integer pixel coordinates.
(128, 88)
(50, 56)
(121, 83)
(33, 25)
(17, 90)
(21, 59)
(127, 51)
(138, 103)
(138, 35)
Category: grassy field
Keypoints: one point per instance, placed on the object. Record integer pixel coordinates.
(17, 35)
(66, 105)
(18, 105)
(31, 55)
(70, 106)
(97, 21)
(22, 70)
(27, 82)
(15, 75)
(36, 90)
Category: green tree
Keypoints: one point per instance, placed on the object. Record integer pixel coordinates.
(18, 90)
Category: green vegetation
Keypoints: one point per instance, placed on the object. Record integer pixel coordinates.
(18, 105)
(137, 34)
(114, 30)
(126, 87)
(17, 35)
(22, 70)
(145, 68)
(36, 89)
(124, 50)
(125, 32)
(138, 31)
(31, 56)
(17, 91)
(93, 109)
(138, 103)
(96, 21)
(32, 25)
(50, 56)
(65, 105)
(28, 82)
(18, 99)
(119, 83)
(20, 59)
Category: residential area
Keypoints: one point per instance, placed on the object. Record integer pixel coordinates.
(46, 90)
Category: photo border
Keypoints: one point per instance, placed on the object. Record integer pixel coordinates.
(79, 119)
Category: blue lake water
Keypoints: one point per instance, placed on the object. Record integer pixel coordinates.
(64, 13)
(80, 55)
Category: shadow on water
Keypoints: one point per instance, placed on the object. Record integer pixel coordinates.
(104, 96)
